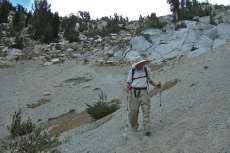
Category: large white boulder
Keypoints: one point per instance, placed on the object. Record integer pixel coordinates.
(217, 42)
(203, 42)
(155, 58)
(118, 54)
(164, 49)
(223, 30)
(198, 52)
(226, 18)
(131, 55)
(211, 33)
(14, 52)
(205, 19)
(140, 44)
(152, 32)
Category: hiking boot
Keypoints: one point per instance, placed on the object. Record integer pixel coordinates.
(147, 132)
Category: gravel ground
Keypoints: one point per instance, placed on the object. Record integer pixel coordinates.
(195, 112)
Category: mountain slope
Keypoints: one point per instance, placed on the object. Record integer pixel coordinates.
(195, 113)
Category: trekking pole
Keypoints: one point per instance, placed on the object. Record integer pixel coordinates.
(160, 107)
(127, 116)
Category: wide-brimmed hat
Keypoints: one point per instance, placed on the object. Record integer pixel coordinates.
(138, 60)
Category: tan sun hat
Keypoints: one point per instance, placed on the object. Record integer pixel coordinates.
(138, 60)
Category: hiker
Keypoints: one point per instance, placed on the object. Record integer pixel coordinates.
(137, 83)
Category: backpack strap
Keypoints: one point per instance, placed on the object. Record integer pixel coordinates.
(133, 71)
(146, 74)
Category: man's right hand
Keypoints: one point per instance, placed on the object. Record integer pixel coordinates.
(127, 89)
(159, 85)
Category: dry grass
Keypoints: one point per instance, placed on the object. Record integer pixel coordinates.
(5, 66)
(77, 80)
(68, 121)
(115, 101)
(39, 103)
(166, 86)
(155, 67)
(73, 119)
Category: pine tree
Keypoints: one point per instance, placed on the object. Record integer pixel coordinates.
(56, 24)
(48, 34)
(175, 8)
(5, 8)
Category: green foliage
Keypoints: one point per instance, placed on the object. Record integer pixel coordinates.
(56, 25)
(83, 27)
(16, 18)
(48, 34)
(58, 47)
(139, 30)
(112, 26)
(154, 22)
(212, 19)
(5, 8)
(18, 21)
(34, 142)
(174, 7)
(1, 34)
(68, 26)
(194, 48)
(101, 108)
(30, 140)
(181, 25)
(147, 37)
(44, 20)
(18, 127)
(11, 31)
(28, 19)
(69, 22)
(71, 35)
(84, 15)
(18, 43)
(193, 9)
(219, 6)
(205, 12)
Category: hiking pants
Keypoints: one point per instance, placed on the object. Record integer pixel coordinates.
(143, 100)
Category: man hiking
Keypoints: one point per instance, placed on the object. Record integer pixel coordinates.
(137, 83)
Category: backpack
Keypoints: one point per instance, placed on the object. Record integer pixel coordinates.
(146, 75)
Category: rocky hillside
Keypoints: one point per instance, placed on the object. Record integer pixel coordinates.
(191, 39)
(47, 81)
(195, 104)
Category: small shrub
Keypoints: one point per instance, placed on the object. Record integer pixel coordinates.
(147, 37)
(166, 86)
(181, 25)
(72, 110)
(205, 67)
(28, 138)
(58, 47)
(193, 48)
(18, 43)
(17, 128)
(34, 142)
(101, 108)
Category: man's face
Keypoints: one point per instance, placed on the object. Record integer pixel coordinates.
(140, 66)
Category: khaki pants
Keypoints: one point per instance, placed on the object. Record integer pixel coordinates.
(144, 101)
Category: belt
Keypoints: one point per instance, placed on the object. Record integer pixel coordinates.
(139, 90)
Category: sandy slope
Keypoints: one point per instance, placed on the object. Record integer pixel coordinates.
(195, 111)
